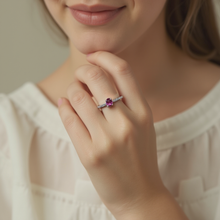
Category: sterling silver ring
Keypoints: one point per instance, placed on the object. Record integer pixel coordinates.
(109, 102)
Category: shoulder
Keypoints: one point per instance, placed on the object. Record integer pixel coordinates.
(204, 77)
(15, 125)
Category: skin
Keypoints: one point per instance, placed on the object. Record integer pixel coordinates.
(143, 44)
(117, 146)
(134, 57)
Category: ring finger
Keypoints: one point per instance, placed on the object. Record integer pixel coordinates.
(102, 87)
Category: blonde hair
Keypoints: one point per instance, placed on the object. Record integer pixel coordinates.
(191, 24)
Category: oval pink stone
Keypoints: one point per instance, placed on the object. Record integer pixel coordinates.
(109, 102)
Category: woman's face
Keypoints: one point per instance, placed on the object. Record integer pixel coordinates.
(114, 36)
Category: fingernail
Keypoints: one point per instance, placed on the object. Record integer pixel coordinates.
(60, 100)
(89, 54)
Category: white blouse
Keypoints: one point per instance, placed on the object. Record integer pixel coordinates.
(42, 178)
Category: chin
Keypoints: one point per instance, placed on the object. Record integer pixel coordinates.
(89, 46)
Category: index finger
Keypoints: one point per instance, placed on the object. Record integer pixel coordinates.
(124, 79)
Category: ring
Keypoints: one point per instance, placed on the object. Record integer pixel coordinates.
(109, 102)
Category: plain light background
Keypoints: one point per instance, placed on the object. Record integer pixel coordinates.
(27, 51)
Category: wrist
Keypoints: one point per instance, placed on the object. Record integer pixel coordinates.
(161, 206)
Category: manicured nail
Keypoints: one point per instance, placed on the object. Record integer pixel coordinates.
(89, 54)
(60, 100)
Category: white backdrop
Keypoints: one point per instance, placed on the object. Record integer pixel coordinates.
(27, 52)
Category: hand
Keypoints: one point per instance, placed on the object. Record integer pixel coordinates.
(117, 146)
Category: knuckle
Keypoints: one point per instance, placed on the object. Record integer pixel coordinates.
(78, 97)
(98, 156)
(93, 160)
(122, 67)
(107, 149)
(126, 130)
(145, 118)
(94, 74)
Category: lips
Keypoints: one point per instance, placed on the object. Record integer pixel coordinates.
(93, 16)
(93, 8)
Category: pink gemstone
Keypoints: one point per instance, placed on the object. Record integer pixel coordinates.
(109, 102)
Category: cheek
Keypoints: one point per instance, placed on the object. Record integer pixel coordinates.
(147, 11)
(143, 15)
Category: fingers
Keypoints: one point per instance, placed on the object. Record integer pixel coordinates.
(102, 87)
(77, 131)
(123, 78)
(85, 107)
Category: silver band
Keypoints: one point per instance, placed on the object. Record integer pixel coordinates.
(114, 100)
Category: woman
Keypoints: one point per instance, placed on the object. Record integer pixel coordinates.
(153, 152)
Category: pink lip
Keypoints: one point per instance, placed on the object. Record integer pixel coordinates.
(93, 8)
(95, 18)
